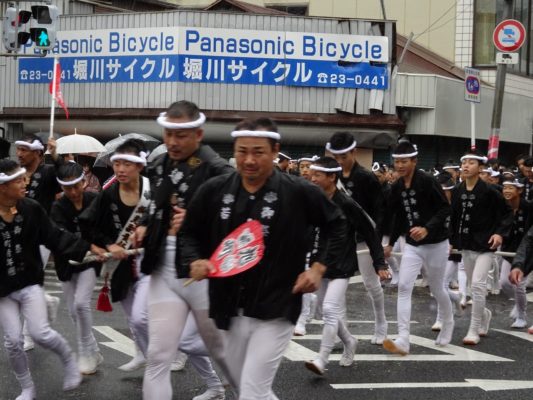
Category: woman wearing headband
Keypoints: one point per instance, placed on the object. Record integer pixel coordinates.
(24, 226)
(109, 222)
(78, 282)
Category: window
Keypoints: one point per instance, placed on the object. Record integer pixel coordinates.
(296, 10)
(486, 15)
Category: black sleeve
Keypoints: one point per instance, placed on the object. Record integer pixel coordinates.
(366, 229)
(96, 223)
(438, 199)
(523, 253)
(324, 214)
(504, 214)
(59, 241)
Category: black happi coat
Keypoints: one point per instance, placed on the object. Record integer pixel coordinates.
(43, 186)
(477, 215)
(21, 264)
(65, 215)
(522, 220)
(363, 186)
(180, 179)
(357, 223)
(99, 225)
(287, 206)
(423, 204)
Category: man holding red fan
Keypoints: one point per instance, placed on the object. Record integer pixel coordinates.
(259, 307)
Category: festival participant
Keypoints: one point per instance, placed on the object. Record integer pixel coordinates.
(331, 295)
(480, 221)
(42, 187)
(109, 222)
(365, 189)
(454, 265)
(176, 176)
(25, 226)
(453, 168)
(259, 307)
(523, 263)
(421, 212)
(522, 210)
(78, 282)
(527, 171)
(304, 164)
(283, 162)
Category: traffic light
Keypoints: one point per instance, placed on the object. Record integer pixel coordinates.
(44, 26)
(14, 27)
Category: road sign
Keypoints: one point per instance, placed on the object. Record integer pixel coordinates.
(507, 58)
(509, 35)
(472, 85)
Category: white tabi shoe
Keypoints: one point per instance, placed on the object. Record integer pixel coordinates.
(348, 353)
(317, 366)
(179, 362)
(437, 326)
(136, 363)
(485, 323)
(396, 346)
(215, 393)
(519, 323)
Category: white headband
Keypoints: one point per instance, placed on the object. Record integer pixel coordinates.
(140, 159)
(375, 167)
(72, 182)
(284, 155)
(341, 151)
(310, 159)
(260, 134)
(451, 167)
(447, 187)
(409, 155)
(7, 178)
(474, 157)
(515, 183)
(35, 145)
(324, 169)
(162, 120)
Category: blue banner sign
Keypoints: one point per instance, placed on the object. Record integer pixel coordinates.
(215, 56)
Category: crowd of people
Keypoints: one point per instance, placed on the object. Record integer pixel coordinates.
(464, 226)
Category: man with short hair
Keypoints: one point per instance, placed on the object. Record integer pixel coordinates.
(259, 307)
(175, 177)
(422, 214)
(480, 221)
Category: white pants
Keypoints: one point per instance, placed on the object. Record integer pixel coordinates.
(477, 267)
(30, 303)
(518, 292)
(135, 308)
(191, 343)
(254, 351)
(434, 257)
(169, 304)
(78, 292)
(331, 295)
(373, 287)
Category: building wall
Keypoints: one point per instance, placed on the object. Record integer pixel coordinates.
(208, 96)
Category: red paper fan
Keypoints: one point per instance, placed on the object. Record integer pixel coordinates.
(241, 250)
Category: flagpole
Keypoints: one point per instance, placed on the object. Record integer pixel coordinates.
(53, 101)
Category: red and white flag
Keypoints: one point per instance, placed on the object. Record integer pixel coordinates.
(59, 95)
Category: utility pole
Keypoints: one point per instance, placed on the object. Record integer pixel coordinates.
(501, 71)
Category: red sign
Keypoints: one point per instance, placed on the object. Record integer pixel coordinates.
(239, 251)
(509, 35)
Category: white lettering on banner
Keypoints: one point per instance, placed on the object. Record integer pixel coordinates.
(115, 42)
(290, 45)
(221, 42)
